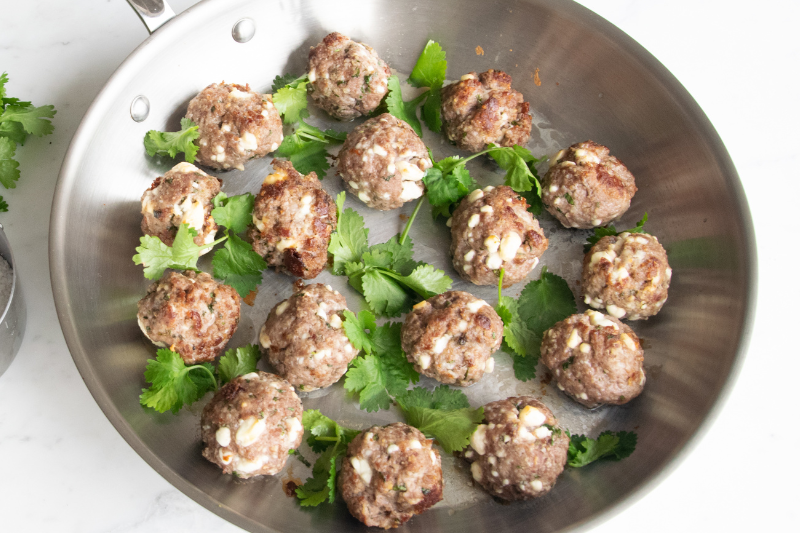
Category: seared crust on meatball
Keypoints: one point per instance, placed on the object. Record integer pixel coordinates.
(347, 79)
(492, 229)
(293, 219)
(627, 274)
(519, 450)
(250, 425)
(390, 474)
(183, 195)
(451, 337)
(595, 358)
(382, 163)
(483, 109)
(190, 313)
(235, 125)
(587, 187)
(304, 338)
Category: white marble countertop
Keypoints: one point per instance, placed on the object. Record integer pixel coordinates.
(66, 469)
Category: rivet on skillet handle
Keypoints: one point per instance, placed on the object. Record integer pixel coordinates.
(154, 13)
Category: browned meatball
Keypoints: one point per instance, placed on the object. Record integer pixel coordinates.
(190, 313)
(483, 109)
(492, 229)
(390, 474)
(250, 425)
(182, 196)
(293, 219)
(383, 161)
(519, 450)
(348, 79)
(587, 187)
(451, 337)
(595, 358)
(628, 275)
(235, 125)
(304, 337)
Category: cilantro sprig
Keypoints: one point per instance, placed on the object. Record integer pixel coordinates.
(330, 439)
(383, 370)
(610, 230)
(540, 305)
(386, 274)
(171, 143)
(182, 255)
(443, 414)
(307, 148)
(429, 72)
(608, 445)
(174, 384)
(290, 97)
(18, 119)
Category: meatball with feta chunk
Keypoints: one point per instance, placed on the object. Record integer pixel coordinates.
(451, 337)
(190, 313)
(382, 163)
(519, 451)
(251, 424)
(595, 359)
(482, 109)
(586, 186)
(293, 218)
(491, 230)
(183, 195)
(390, 474)
(627, 275)
(235, 125)
(304, 338)
(346, 79)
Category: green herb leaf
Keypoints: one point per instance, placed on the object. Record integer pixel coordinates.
(157, 256)
(431, 67)
(3, 205)
(447, 188)
(9, 168)
(610, 230)
(290, 100)
(170, 143)
(358, 329)
(307, 148)
(237, 265)
(349, 242)
(452, 428)
(34, 120)
(514, 160)
(234, 212)
(173, 383)
(442, 397)
(322, 432)
(608, 445)
(238, 362)
(405, 111)
(13, 131)
(288, 80)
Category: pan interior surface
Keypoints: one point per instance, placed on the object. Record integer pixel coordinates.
(584, 80)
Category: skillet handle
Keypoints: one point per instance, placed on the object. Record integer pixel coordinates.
(154, 13)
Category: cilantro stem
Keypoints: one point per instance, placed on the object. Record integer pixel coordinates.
(410, 221)
(209, 372)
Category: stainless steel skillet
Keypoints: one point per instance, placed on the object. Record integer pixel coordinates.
(595, 83)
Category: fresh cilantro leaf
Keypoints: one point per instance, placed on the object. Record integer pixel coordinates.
(442, 397)
(432, 109)
(157, 256)
(400, 256)
(290, 100)
(445, 189)
(328, 437)
(525, 366)
(9, 168)
(173, 384)
(381, 372)
(349, 242)
(3, 81)
(13, 131)
(307, 148)
(610, 230)
(300, 457)
(358, 329)
(35, 120)
(170, 143)
(517, 335)
(425, 280)
(545, 301)
(405, 111)
(608, 445)
(288, 80)
(385, 296)
(238, 362)
(514, 160)
(340, 199)
(3, 205)
(431, 67)
(237, 265)
(234, 212)
(452, 429)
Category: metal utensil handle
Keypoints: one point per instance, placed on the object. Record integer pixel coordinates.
(154, 13)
